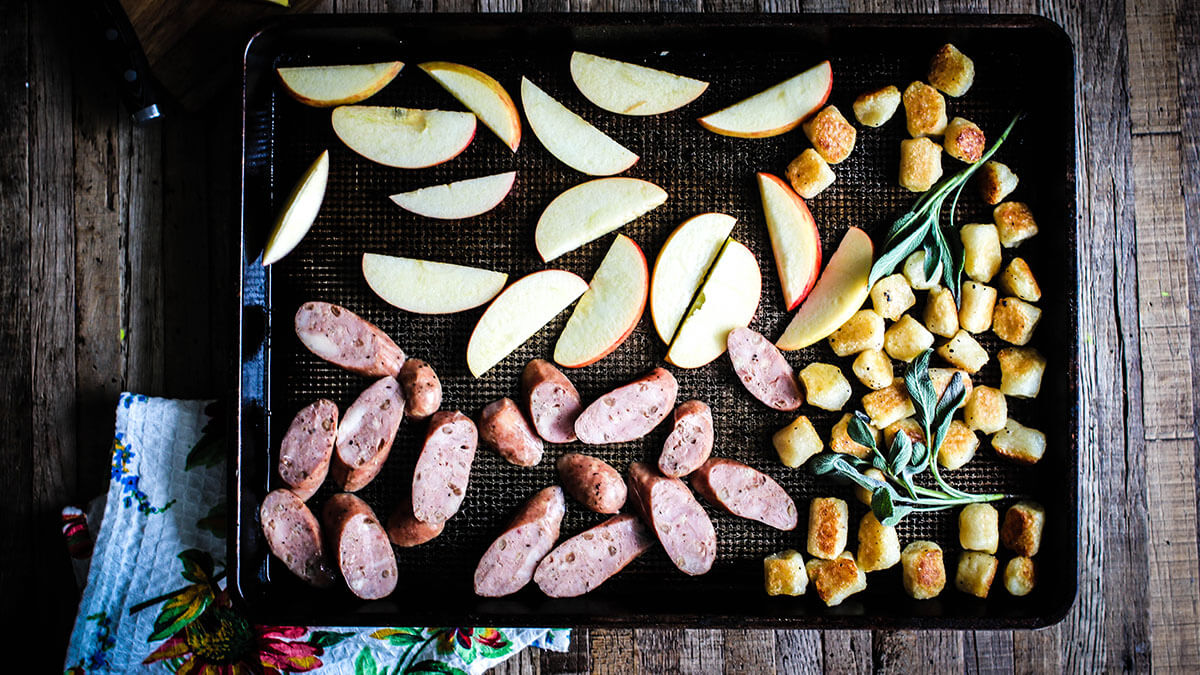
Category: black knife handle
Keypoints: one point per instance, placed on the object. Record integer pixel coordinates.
(122, 54)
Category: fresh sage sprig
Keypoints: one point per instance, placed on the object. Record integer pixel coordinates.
(898, 495)
(921, 228)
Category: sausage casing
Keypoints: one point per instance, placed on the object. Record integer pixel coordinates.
(344, 338)
(294, 536)
(630, 411)
(552, 401)
(763, 370)
(678, 520)
(510, 561)
(592, 482)
(444, 467)
(307, 448)
(690, 442)
(361, 547)
(745, 492)
(422, 389)
(592, 557)
(503, 427)
(365, 436)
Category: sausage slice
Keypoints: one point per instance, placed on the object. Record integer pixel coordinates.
(591, 557)
(307, 448)
(422, 389)
(762, 370)
(679, 521)
(365, 436)
(364, 554)
(510, 561)
(629, 412)
(294, 536)
(552, 401)
(745, 492)
(592, 481)
(346, 339)
(405, 530)
(444, 467)
(690, 442)
(503, 426)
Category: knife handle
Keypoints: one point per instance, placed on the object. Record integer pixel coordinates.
(122, 55)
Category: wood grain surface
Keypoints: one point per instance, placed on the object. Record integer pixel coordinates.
(118, 265)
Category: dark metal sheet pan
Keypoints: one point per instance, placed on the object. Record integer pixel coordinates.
(1022, 64)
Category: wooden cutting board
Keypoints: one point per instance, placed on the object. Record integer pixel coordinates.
(193, 46)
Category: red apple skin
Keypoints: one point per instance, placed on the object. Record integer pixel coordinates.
(808, 218)
(632, 324)
(781, 130)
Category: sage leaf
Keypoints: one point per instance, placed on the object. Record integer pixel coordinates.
(860, 430)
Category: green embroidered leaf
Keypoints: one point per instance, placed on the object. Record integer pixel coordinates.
(215, 520)
(364, 663)
(398, 637)
(432, 667)
(197, 566)
(181, 609)
(327, 638)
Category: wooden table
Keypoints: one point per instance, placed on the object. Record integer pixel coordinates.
(116, 269)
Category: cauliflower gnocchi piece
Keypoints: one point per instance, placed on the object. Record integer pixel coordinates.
(828, 525)
(888, 405)
(941, 312)
(979, 528)
(958, 447)
(1021, 532)
(964, 352)
(907, 426)
(924, 110)
(784, 573)
(941, 379)
(976, 572)
(873, 368)
(964, 140)
(861, 332)
(1019, 576)
(825, 386)
(986, 410)
(1017, 279)
(892, 296)
(996, 181)
(924, 571)
(920, 164)
(981, 251)
(1014, 320)
(914, 271)
(878, 544)
(1019, 443)
(874, 108)
(831, 135)
(906, 339)
(797, 442)
(861, 493)
(836, 580)
(951, 71)
(1021, 370)
(1014, 222)
(840, 441)
(809, 174)
(978, 303)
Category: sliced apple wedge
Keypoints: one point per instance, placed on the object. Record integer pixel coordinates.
(428, 287)
(610, 309)
(327, 86)
(591, 210)
(727, 300)
(570, 138)
(460, 199)
(794, 238)
(482, 95)
(517, 313)
(630, 89)
(840, 292)
(684, 258)
(775, 110)
(299, 211)
(406, 138)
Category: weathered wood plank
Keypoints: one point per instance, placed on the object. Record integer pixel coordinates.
(798, 651)
(847, 651)
(749, 651)
(1153, 62)
(576, 660)
(1039, 651)
(1174, 591)
(525, 663)
(142, 218)
(612, 651)
(988, 652)
(675, 650)
(918, 651)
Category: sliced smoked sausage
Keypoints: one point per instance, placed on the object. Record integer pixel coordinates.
(592, 481)
(592, 557)
(444, 467)
(678, 520)
(503, 427)
(690, 441)
(294, 536)
(422, 389)
(509, 562)
(405, 530)
(762, 370)
(346, 339)
(360, 545)
(365, 436)
(552, 401)
(629, 412)
(307, 448)
(745, 492)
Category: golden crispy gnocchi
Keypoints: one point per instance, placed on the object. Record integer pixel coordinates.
(906, 339)
(809, 174)
(941, 312)
(964, 140)
(996, 181)
(976, 572)
(1019, 576)
(924, 571)
(914, 271)
(1021, 370)
(1017, 280)
(986, 410)
(784, 573)
(862, 331)
(951, 71)
(1014, 320)
(830, 134)
(981, 251)
(1014, 222)
(975, 310)
(825, 386)
(873, 368)
(891, 296)
(1021, 532)
(920, 164)
(878, 544)
(840, 441)
(836, 580)
(958, 447)
(979, 528)
(828, 526)
(875, 108)
(1019, 443)
(964, 352)
(797, 442)
(888, 404)
(924, 110)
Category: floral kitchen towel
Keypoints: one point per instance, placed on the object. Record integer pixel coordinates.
(155, 599)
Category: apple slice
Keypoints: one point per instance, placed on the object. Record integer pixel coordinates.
(299, 211)
(427, 287)
(727, 300)
(840, 292)
(406, 138)
(327, 86)
(482, 95)
(610, 309)
(570, 138)
(461, 199)
(776, 110)
(630, 89)
(591, 210)
(794, 238)
(684, 258)
(517, 313)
